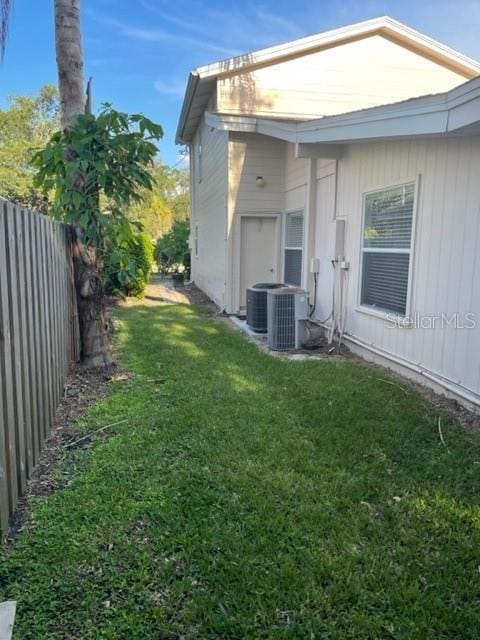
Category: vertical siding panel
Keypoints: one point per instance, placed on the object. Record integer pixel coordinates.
(210, 212)
(445, 265)
(450, 249)
(468, 203)
(412, 339)
(471, 299)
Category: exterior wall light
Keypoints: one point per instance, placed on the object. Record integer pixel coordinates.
(260, 182)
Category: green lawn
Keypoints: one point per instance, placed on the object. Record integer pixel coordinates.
(253, 497)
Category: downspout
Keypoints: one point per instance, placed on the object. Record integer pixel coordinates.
(337, 292)
(192, 209)
(310, 230)
(228, 229)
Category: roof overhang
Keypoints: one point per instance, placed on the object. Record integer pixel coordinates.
(456, 112)
(202, 81)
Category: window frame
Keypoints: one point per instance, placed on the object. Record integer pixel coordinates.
(285, 247)
(374, 311)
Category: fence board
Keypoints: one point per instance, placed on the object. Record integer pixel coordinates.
(15, 309)
(6, 408)
(30, 306)
(38, 340)
(8, 423)
(22, 285)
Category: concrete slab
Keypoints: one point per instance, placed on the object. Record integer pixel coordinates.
(243, 326)
(261, 340)
(7, 618)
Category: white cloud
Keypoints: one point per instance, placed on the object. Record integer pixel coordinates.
(284, 26)
(175, 88)
(148, 34)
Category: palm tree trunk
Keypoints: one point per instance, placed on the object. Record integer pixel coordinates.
(68, 45)
(94, 350)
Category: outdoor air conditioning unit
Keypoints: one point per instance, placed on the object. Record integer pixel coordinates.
(257, 305)
(287, 315)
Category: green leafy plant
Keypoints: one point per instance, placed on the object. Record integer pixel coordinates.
(128, 262)
(97, 168)
(172, 251)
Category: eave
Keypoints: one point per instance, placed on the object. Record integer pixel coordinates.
(456, 112)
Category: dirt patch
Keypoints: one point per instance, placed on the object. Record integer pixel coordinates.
(161, 291)
(82, 389)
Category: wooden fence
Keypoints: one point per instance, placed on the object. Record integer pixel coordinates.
(38, 340)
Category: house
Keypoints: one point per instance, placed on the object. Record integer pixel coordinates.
(347, 163)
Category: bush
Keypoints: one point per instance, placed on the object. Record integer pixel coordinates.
(171, 250)
(127, 263)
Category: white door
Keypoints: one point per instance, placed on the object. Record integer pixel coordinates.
(258, 252)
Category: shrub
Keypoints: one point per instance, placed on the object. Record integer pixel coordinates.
(171, 250)
(127, 263)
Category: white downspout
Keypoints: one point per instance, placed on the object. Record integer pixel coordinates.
(310, 226)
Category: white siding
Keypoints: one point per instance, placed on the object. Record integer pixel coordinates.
(355, 75)
(325, 235)
(296, 178)
(445, 264)
(249, 157)
(209, 211)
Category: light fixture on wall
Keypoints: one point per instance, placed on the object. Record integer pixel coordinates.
(260, 182)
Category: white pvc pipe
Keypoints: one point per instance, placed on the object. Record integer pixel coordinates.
(457, 389)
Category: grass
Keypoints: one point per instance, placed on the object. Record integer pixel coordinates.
(251, 497)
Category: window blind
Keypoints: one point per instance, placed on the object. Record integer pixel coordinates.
(387, 239)
(293, 250)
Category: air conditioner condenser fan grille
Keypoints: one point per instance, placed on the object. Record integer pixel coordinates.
(287, 311)
(257, 305)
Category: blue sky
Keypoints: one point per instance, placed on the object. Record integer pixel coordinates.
(139, 52)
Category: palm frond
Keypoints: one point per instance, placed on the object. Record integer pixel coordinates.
(5, 6)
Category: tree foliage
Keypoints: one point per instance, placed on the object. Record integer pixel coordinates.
(97, 170)
(167, 202)
(108, 157)
(171, 250)
(25, 126)
(128, 262)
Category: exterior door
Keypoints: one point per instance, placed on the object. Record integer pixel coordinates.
(258, 252)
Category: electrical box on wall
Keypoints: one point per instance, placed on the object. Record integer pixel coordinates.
(314, 265)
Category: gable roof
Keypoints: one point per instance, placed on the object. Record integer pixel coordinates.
(455, 113)
(202, 81)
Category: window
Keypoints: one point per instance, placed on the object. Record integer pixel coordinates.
(293, 249)
(195, 241)
(386, 248)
